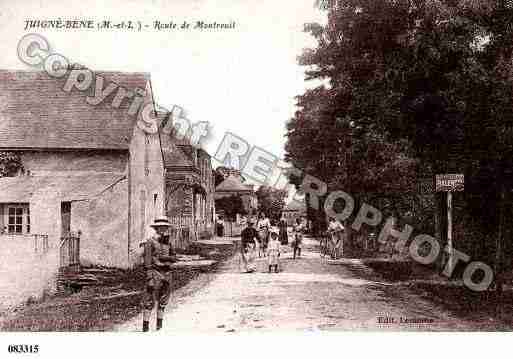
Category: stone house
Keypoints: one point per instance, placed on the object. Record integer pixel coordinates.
(88, 169)
(189, 187)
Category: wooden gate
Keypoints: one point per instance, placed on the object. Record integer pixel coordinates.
(180, 237)
(70, 251)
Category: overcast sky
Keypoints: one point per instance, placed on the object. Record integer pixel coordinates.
(241, 80)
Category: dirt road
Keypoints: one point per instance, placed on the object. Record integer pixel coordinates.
(308, 294)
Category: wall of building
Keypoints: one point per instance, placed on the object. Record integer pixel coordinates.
(179, 201)
(23, 272)
(146, 188)
(103, 223)
(42, 163)
(45, 216)
(45, 204)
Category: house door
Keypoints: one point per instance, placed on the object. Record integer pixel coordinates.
(65, 218)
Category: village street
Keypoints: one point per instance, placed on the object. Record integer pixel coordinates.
(307, 294)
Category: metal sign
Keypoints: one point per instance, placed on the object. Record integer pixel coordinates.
(450, 183)
(425, 185)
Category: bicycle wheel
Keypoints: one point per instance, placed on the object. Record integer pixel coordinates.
(336, 253)
(324, 248)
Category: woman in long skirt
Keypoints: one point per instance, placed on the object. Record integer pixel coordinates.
(252, 252)
(263, 226)
(273, 251)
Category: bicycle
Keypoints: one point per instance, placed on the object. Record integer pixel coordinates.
(324, 250)
(328, 248)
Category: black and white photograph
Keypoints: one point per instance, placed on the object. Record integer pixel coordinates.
(255, 167)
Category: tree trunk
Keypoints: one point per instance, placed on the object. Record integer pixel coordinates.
(498, 254)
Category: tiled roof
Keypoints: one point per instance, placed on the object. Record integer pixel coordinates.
(232, 184)
(35, 112)
(66, 188)
(173, 155)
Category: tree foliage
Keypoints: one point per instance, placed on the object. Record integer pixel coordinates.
(230, 206)
(10, 164)
(409, 88)
(271, 201)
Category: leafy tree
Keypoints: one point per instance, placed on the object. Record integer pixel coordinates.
(10, 164)
(409, 89)
(271, 201)
(231, 206)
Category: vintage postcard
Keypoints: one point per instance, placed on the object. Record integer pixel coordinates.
(242, 167)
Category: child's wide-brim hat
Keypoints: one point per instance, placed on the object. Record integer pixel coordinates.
(161, 221)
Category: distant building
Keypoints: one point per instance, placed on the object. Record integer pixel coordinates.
(189, 186)
(294, 210)
(231, 186)
(227, 171)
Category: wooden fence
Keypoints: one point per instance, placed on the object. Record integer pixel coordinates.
(41, 244)
(180, 237)
(232, 229)
(185, 230)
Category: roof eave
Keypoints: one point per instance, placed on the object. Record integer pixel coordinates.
(121, 149)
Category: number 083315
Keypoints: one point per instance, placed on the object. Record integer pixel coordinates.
(23, 348)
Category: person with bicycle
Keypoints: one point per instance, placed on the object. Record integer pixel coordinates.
(336, 235)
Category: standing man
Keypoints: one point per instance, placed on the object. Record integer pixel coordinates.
(248, 237)
(158, 257)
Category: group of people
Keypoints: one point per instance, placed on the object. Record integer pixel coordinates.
(266, 240)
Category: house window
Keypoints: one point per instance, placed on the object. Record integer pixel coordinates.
(28, 219)
(17, 218)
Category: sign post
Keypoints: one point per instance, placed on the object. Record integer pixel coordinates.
(449, 227)
(449, 183)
